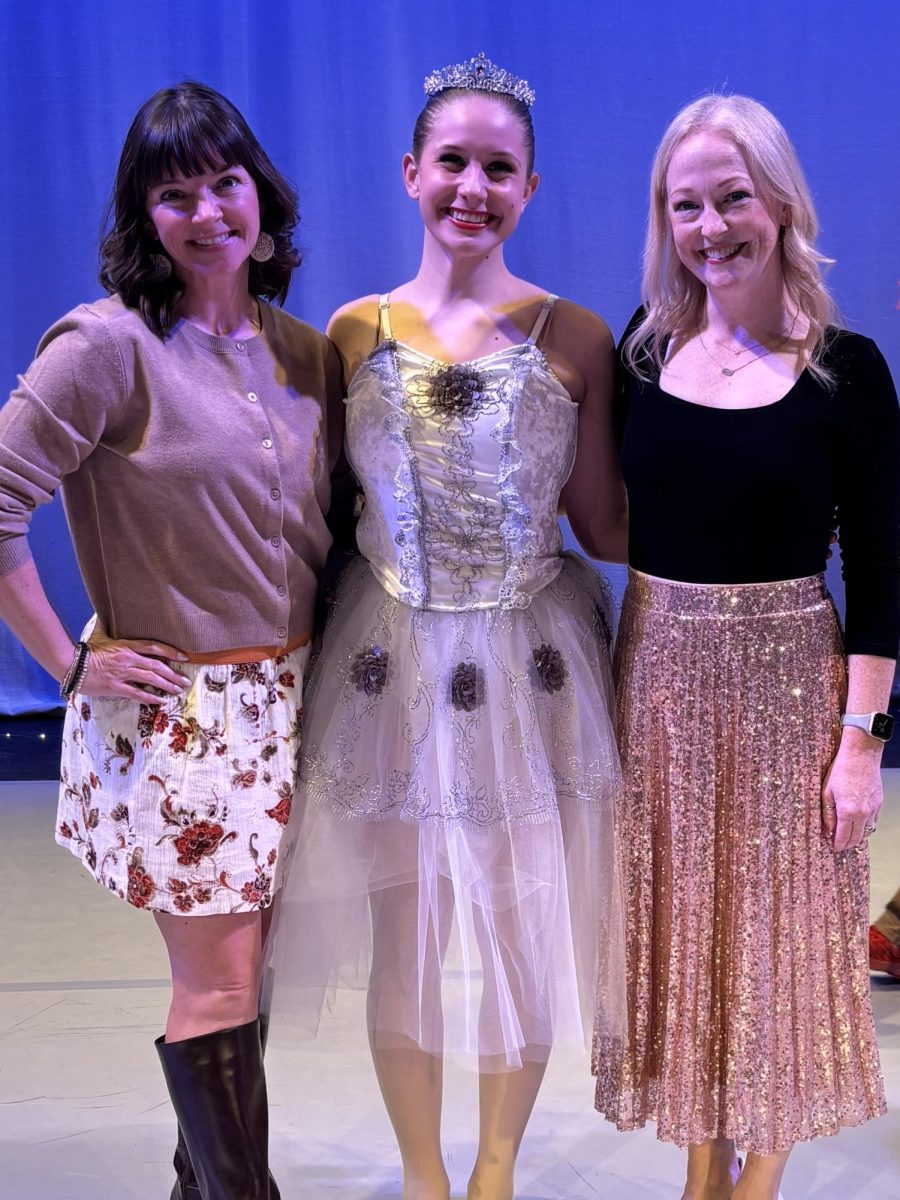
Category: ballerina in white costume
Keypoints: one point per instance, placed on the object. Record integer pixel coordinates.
(455, 847)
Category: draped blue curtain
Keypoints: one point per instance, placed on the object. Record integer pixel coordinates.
(332, 90)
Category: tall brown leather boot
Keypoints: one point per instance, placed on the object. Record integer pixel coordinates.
(185, 1180)
(218, 1090)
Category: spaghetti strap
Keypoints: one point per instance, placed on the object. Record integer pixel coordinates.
(541, 321)
(384, 331)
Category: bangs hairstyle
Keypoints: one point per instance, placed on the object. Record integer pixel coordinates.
(188, 130)
(674, 299)
(441, 100)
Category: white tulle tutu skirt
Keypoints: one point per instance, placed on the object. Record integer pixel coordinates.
(453, 849)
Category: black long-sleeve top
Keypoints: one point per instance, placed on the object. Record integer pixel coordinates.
(750, 495)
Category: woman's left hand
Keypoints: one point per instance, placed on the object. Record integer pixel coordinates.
(852, 793)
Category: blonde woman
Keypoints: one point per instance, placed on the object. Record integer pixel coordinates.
(750, 733)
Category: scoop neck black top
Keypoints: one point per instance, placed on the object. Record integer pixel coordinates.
(750, 495)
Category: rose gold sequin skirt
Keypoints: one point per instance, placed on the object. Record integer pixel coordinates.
(748, 983)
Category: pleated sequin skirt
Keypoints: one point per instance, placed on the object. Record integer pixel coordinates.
(747, 974)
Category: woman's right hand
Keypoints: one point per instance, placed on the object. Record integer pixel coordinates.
(129, 667)
(124, 667)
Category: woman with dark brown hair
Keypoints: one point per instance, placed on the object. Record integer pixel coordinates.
(186, 422)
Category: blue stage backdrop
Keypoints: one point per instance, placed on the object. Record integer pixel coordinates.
(332, 89)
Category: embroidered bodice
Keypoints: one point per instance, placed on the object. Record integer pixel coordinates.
(462, 467)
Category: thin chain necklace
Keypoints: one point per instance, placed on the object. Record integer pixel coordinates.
(729, 371)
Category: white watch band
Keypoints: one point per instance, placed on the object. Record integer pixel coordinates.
(877, 725)
(859, 721)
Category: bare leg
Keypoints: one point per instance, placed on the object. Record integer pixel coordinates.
(712, 1170)
(761, 1176)
(506, 1099)
(411, 1083)
(410, 1078)
(212, 1055)
(215, 965)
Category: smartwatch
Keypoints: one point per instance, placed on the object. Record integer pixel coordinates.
(877, 724)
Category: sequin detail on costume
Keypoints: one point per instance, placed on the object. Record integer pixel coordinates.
(447, 524)
(467, 687)
(453, 388)
(456, 851)
(748, 979)
(369, 671)
(447, 679)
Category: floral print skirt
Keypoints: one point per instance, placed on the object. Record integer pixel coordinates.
(180, 806)
(454, 850)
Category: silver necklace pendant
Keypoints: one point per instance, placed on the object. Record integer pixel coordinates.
(727, 371)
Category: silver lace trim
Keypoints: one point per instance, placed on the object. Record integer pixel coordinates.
(455, 532)
(413, 560)
(518, 536)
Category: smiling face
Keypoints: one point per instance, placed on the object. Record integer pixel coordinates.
(725, 233)
(207, 223)
(471, 177)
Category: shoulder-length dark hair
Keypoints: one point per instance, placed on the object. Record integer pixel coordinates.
(189, 129)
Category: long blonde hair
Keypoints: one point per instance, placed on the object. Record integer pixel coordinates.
(674, 299)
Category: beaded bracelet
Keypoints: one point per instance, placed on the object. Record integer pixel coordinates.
(74, 677)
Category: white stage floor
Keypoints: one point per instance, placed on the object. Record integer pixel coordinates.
(83, 993)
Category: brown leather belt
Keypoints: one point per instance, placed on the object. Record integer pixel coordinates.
(248, 654)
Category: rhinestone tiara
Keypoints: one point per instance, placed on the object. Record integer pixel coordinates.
(479, 74)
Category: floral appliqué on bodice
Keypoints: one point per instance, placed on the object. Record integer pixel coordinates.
(462, 466)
